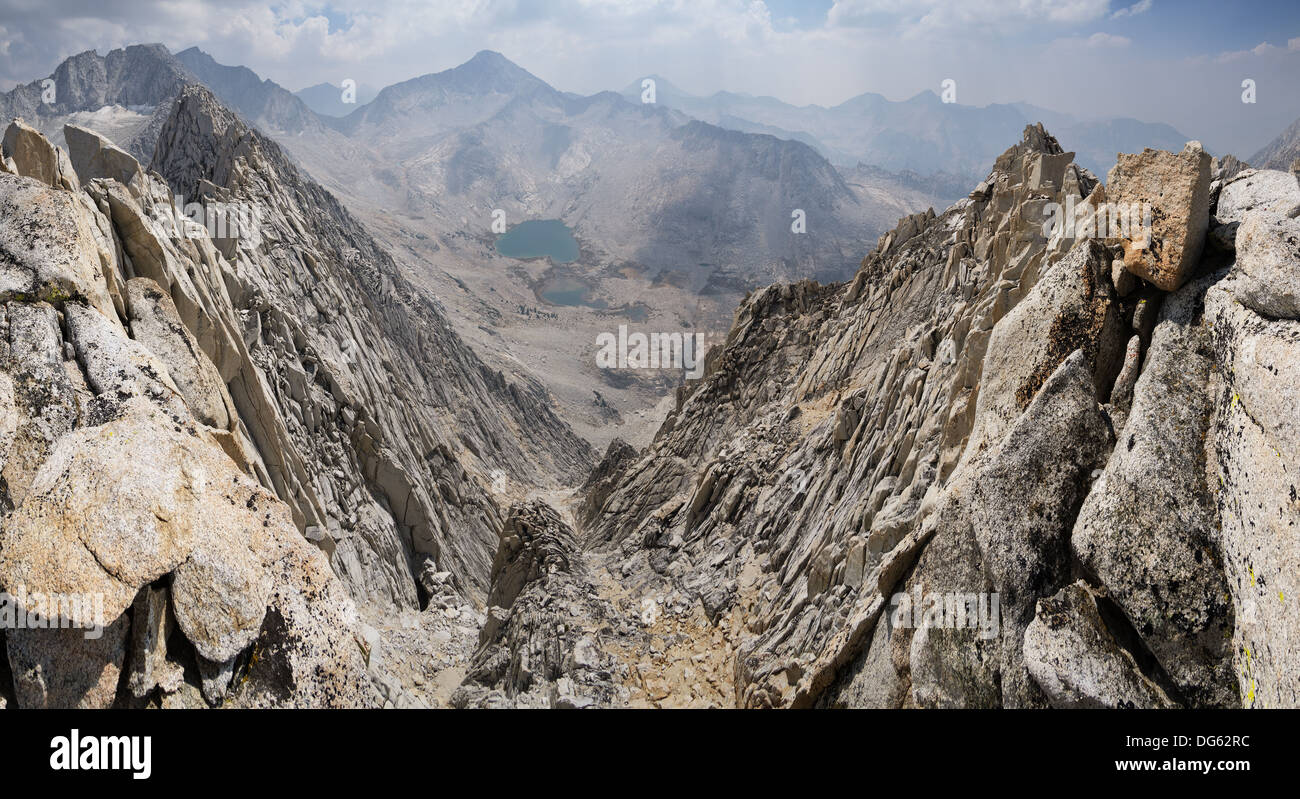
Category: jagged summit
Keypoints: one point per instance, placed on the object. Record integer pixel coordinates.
(128, 93)
(132, 76)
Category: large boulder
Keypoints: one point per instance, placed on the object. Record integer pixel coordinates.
(1265, 190)
(220, 593)
(50, 248)
(116, 366)
(112, 509)
(1268, 264)
(1076, 660)
(34, 157)
(94, 156)
(1177, 187)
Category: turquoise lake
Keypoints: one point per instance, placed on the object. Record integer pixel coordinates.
(539, 238)
(567, 291)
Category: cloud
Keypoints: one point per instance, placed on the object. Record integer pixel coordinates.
(913, 15)
(1098, 40)
(1261, 49)
(1140, 7)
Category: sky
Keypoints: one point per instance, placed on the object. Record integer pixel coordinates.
(1180, 62)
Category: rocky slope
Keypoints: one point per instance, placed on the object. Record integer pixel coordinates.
(676, 220)
(243, 439)
(983, 415)
(1282, 151)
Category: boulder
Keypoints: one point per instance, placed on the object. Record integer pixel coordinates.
(34, 157)
(1257, 190)
(94, 156)
(220, 592)
(1268, 264)
(112, 509)
(117, 366)
(49, 247)
(1076, 661)
(1177, 187)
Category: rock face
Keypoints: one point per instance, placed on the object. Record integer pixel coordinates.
(1282, 151)
(1072, 656)
(144, 77)
(385, 483)
(1149, 529)
(32, 156)
(1268, 245)
(994, 469)
(1176, 186)
(222, 438)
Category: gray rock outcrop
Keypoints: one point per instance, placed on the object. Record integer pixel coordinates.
(228, 434)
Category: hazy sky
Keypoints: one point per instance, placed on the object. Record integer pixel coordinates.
(1156, 60)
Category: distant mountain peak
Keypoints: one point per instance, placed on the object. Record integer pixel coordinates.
(491, 57)
(924, 97)
(490, 63)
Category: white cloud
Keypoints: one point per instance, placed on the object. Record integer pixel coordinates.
(1097, 41)
(1261, 49)
(1140, 7)
(962, 14)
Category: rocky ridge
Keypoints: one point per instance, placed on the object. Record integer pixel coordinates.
(986, 413)
(245, 441)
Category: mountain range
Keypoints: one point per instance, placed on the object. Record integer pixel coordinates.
(344, 458)
(922, 134)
